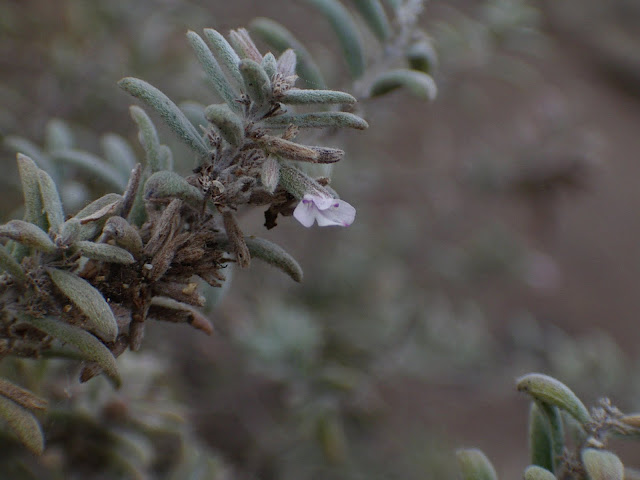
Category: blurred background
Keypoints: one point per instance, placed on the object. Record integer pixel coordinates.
(497, 230)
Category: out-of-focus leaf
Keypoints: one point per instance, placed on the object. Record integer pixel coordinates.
(118, 152)
(100, 318)
(12, 267)
(602, 465)
(21, 396)
(346, 31)
(534, 472)
(540, 443)
(148, 137)
(373, 13)
(93, 166)
(58, 135)
(23, 424)
(475, 465)
(91, 348)
(418, 83)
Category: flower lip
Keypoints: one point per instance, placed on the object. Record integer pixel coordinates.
(325, 210)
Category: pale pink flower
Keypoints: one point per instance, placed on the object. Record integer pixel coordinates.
(325, 210)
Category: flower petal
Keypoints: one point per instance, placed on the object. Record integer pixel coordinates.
(306, 212)
(339, 213)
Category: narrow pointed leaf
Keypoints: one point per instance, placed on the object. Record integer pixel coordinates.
(148, 137)
(27, 234)
(297, 96)
(374, 15)
(104, 252)
(118, 152)
(274, 255)
(318, 120)
(549, 390)
(88, 222)
(556, 432)
(23, 424)
(281, 39)
(418, 83)
(100, 318)
(534, 472)
(93, 166)
(22, 397)
(299, 184)
(13, 268)
(270, 65)
(474, 465)
(346, 31)
(91, 348)
(51, 201)
(166, 184)
(169, 112)
(602, 465)
(31, 190)
(215, 75)
(225, 52)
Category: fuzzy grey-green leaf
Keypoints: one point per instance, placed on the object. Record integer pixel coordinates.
(297, 96)
(422, 57)
(124, 234)
(225, 53)
(256, 81)
(346, 31)
(602, 464)
(281, 39)
(418, 83)
(147, 136)
(169, 112)
(274, 255)
(104, 252)
(534, 472)
(165, 184)
(299, 184)
(270, 64)
(91, 348)
(100, 318)
(318, 120)
(22, 397)
(540, 441)
(474, 465)
(30, 150)
(51, 201)
(214, 73)
(27, 234)
(227, 122)
(549, 390)
(23, 424)
(8, 264)
(31, 190)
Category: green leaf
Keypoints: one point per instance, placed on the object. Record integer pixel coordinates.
(270, 65)
(299, 184)
(51, 201)
(31, 150)
(534, 472)
(27, 234)
(602, 465)
(100, 318)
(169, 112)
(22, 397)
(274, 255)
(418, 83)
(171, 185)
(118, 153)
(31, 189)
(92, 349)
(58, 135)
(556, 432)
(540, 442)
(13, 268)
(94, 166)
(88, 222)
(317, 120)
(23, 424)
(375, 17)
(549, 390)
(215, 75)
(296, 96)
(148, 137)
(104, 252)
(422, 56)
(228, 123)
(347, 32)
(475, 465)
(281, 39)
(256, 82)
(225, 53)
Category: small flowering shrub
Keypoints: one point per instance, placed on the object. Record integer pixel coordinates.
(84, 286)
